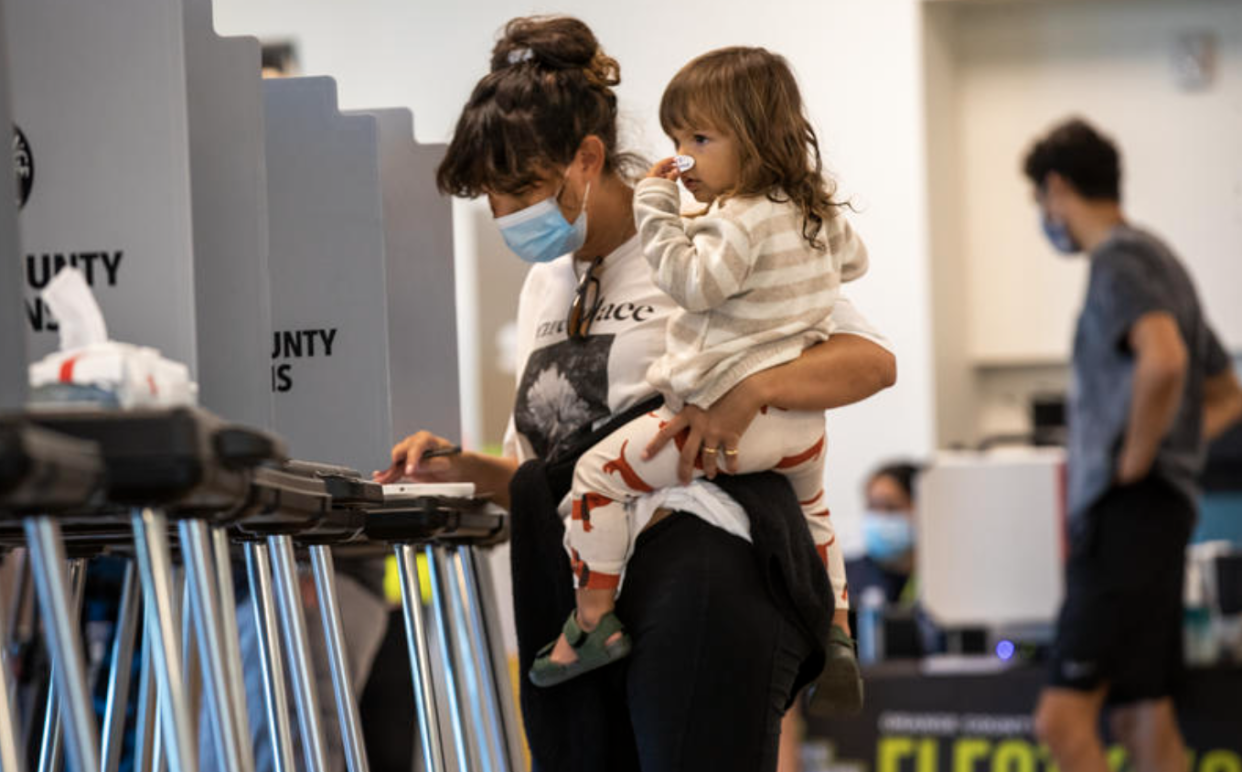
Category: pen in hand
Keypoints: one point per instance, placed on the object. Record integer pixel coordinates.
(452, 450)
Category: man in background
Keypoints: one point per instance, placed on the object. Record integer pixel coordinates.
(1151, 383)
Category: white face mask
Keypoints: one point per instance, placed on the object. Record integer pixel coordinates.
(540, 233)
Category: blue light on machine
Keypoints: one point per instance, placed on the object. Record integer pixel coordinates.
(1005, 650)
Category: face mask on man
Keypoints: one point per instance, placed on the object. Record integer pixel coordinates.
(1058, 234)
(887, 535)
(540, 233)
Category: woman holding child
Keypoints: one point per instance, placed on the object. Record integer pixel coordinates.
(724, 609)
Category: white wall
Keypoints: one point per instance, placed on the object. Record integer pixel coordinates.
(859, 63)
(1006, 74)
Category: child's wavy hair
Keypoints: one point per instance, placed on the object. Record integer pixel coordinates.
(751, 94)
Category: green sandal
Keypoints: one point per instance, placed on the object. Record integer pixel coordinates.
(838, 692)
(592, 649)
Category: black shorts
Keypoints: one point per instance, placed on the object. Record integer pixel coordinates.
(1121, 622)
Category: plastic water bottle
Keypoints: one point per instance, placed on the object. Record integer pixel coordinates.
(871, 626)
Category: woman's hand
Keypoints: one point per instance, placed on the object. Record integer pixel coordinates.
(720, 427)
(408, 461)
(665, 169)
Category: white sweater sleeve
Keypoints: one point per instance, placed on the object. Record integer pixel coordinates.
(848, 320)
(699, 272)
(848, 251)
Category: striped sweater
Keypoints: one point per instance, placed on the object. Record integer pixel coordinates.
(753, 293)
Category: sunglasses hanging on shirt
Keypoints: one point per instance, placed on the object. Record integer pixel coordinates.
(586, 303)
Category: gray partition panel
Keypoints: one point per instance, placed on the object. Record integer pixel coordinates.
(326, 256)
(229, 186)
(12, 334)
(422, 316)
(99, 91)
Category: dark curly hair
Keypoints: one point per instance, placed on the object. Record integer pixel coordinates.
(751, 95)
(1080, 154)
(904, 473)
(550, 86)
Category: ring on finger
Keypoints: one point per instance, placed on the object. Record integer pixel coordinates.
(731, 451)
(711, 451)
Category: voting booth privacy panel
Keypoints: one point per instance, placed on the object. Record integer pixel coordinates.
(364, 343)
(164, 220)
(12, 334)
(298, 259)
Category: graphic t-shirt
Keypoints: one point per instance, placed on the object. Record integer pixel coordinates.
(567, 388)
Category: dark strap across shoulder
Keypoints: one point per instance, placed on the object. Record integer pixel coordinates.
(560, 468)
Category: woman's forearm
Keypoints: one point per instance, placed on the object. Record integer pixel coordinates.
(490, 474)
(840, 371)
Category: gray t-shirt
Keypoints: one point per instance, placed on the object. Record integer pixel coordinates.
(1133, 274)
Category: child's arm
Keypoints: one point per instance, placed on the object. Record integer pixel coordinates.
(699, 273)
(847, 250)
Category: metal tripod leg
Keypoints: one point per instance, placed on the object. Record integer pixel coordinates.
(12, 755)
(272, 661)
(293, 626)
(338, 660)
(478, 644)
(119, 675)
(18, 600)
(155, 567)
(144, 725)
(232, 639)
(47, 554)
(51, 746)
(482, 599)
(203, 586)
(420, 660)
(440, 617)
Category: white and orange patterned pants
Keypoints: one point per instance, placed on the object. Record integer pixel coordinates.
(613, 473)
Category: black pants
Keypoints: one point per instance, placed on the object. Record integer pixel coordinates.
(1121, 622)
(713, 666)
(714, 660)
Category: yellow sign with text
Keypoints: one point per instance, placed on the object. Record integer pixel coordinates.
(911, 753)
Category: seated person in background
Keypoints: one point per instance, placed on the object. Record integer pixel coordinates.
(888, 535)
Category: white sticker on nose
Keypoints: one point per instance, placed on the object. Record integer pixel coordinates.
(684, 163)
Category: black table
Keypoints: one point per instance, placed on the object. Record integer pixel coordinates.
(981, 722)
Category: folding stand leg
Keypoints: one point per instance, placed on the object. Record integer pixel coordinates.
(440, 619)
(203, 586)
(51, 746)
(263, 601)
(183, 609)
(293, 625)
(495, 690)
(11, 750)
(144, 725)
(119, 676)
(17, 603)
(155, 567)
(485, 603)
(47, 554)
(342, 683)
(232, 639)
(420, 660)
(480, 734)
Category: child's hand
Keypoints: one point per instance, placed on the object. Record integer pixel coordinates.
(666, 169)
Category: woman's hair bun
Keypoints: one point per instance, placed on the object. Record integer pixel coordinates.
(555, 43)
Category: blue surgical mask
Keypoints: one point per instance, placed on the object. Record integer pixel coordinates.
(886, 535)
(1058, 234)
(540, 233)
